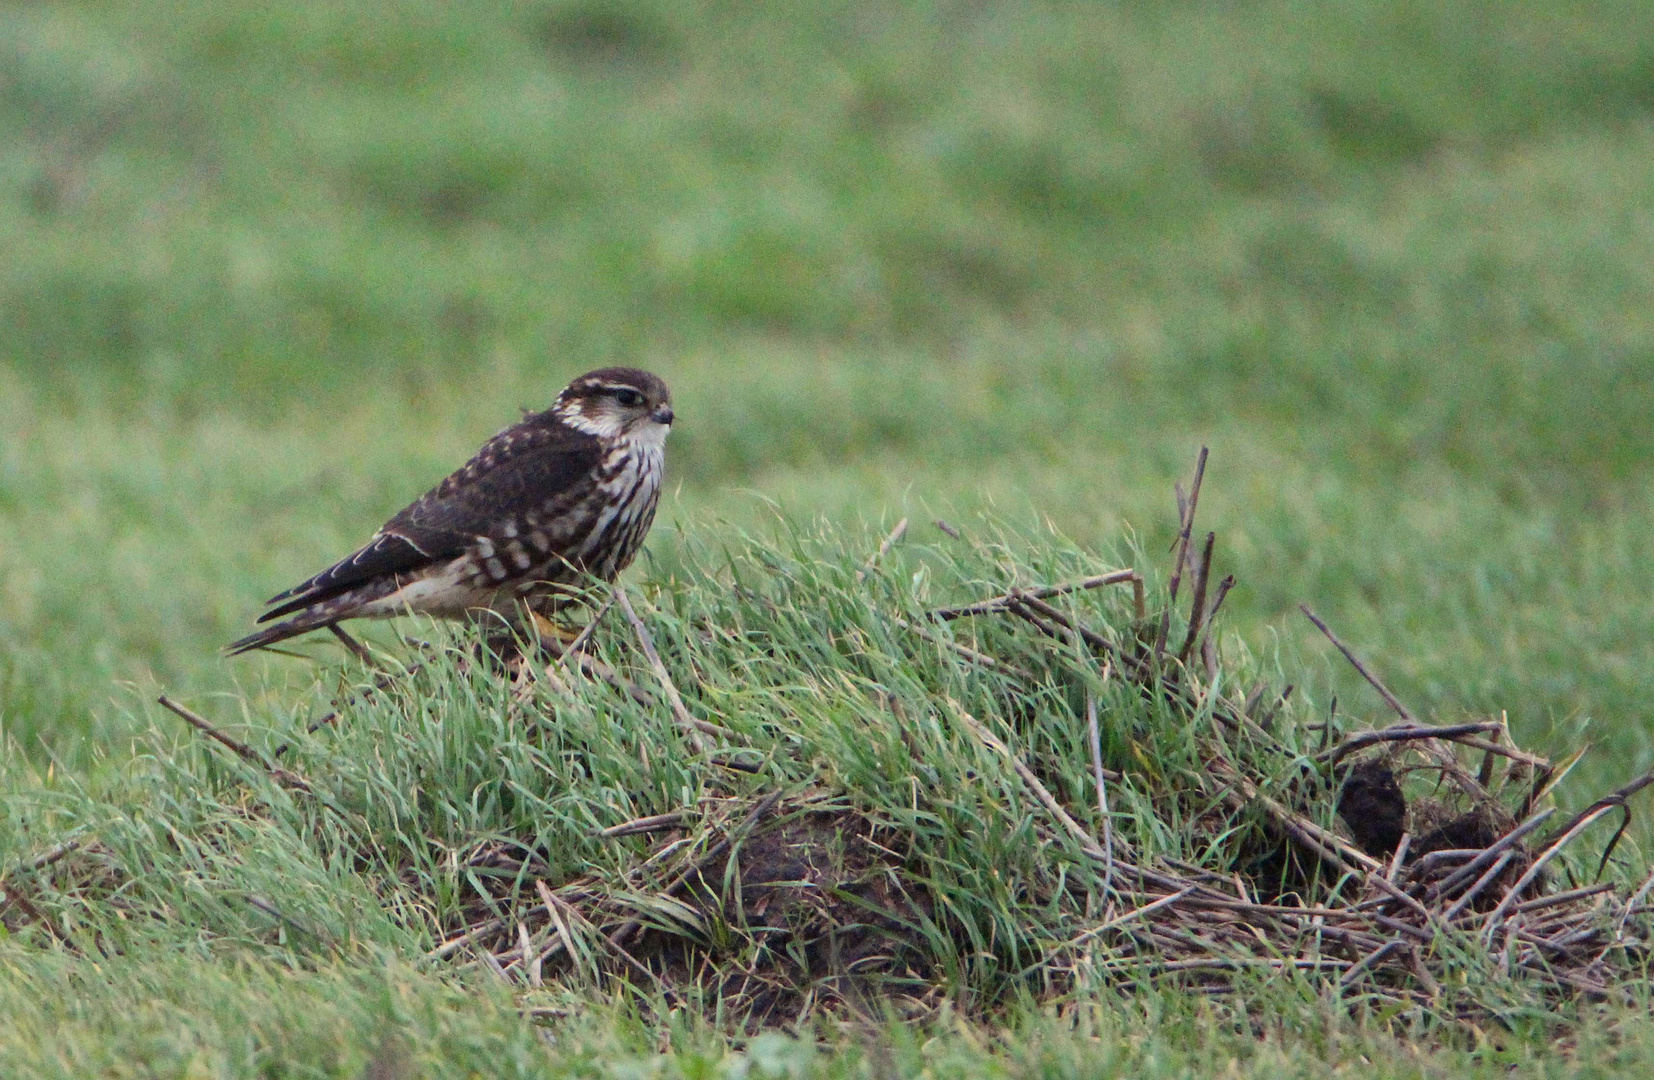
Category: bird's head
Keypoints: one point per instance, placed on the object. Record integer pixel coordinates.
(617, 402)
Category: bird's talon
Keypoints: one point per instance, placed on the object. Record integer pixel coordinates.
(555, 638)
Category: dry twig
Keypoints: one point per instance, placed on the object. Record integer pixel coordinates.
(1102, 786)
(691, 727)
(1045, 592)
(241, 749)
(1041, 792)
(889, 542)
(1186, 523)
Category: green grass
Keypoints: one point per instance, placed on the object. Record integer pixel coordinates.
(189, 1019)
(270, 272)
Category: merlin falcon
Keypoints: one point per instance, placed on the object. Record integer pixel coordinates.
(547, 504)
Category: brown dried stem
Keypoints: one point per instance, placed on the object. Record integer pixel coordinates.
(1097, 769)
(1044, 592)
(1186, 523)
(889, 542)
(1404, 733)
(975, 656)
(354, 647)
(1197, 606)
(1087, 843)
(241, 749)
(690, 725)
(572, 652)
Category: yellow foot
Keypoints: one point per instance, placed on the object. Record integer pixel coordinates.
(554, 637)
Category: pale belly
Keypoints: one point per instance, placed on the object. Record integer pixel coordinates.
(453, 593)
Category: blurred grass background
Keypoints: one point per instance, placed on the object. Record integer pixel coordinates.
(271, 270)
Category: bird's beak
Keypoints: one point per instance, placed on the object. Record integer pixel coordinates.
(662, 415)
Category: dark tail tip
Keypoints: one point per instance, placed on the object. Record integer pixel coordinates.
(270, 635)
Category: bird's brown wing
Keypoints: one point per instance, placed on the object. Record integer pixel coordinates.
(516, 471)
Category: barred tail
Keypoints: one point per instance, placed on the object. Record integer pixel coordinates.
(315, 612)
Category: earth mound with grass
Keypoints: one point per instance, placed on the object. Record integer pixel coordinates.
(808, 776)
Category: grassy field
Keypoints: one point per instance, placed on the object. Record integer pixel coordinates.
(271, 271)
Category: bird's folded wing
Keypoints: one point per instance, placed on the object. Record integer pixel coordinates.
(519, 470)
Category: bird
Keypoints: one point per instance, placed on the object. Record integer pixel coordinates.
(562, 497)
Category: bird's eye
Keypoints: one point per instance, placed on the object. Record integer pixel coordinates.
(629, 399)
